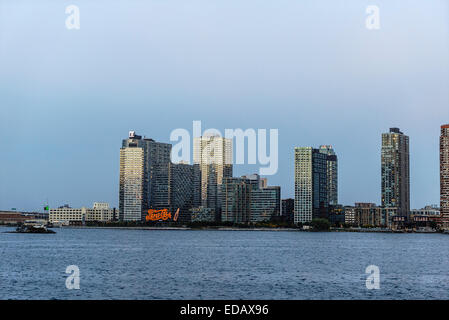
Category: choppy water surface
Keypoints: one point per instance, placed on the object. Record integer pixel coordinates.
(149, 264)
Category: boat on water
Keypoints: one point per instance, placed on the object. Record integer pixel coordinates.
(32, 227)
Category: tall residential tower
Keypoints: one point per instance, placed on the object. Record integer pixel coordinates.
(332, 174)
(149, 180)
(132, 192)
(395, 170)
(311, 184)
(213, 154)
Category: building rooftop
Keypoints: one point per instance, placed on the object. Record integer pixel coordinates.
(133, 135)
(395, 130)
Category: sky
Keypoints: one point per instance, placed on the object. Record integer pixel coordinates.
(309, 68)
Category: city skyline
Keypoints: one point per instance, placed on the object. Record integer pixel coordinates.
(224, 158)
(150, 180)
(315, 72)
(325, 149)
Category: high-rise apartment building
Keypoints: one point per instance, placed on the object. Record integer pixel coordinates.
(184, 187)
(332, 174)
(132, 192)
(265, 203)
(249, 199)
(235, 202)
(213, 154)
(155, 179)
(444, 171)
(311, 184)
(395, 170)
(149, 180)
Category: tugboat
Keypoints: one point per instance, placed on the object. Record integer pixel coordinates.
(32, 227)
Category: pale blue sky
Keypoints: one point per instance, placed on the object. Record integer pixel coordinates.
(309, 68)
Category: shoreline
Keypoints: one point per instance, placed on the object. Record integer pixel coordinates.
(360, 230)
(182, 228)
(238, 229)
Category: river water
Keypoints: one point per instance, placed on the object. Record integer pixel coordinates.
(184, 264)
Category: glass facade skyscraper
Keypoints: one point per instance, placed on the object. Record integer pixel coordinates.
(184, 189)
(332, 174)
(235, 202)
(311, 190)
(265, 203)
(395, 171)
